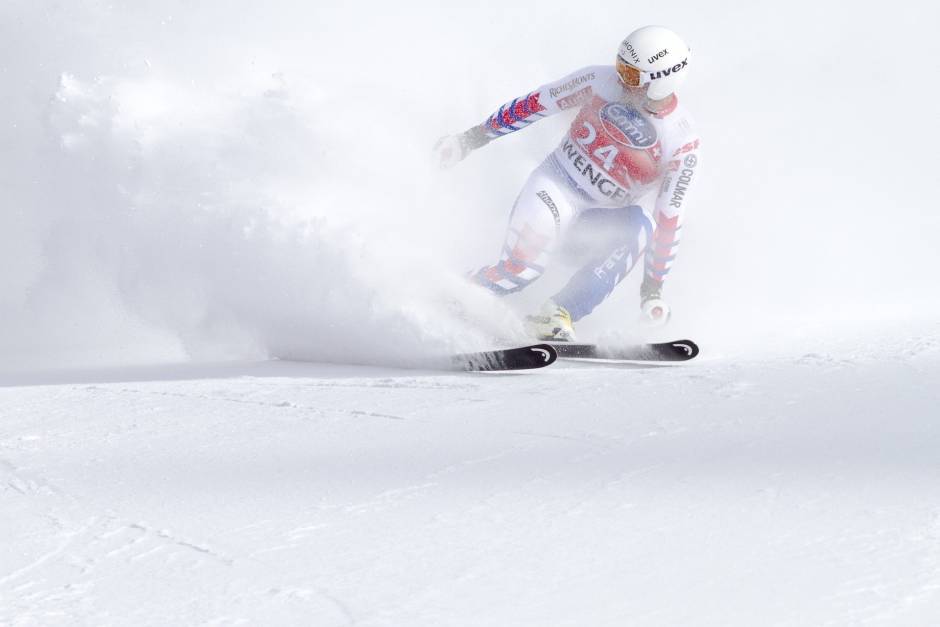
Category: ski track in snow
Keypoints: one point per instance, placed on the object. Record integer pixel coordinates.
(796, 490)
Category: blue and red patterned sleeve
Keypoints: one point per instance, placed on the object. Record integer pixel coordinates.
(568, 92)
(516, 115)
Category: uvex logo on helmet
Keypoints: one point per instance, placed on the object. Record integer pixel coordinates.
(669, 70)
(658, 55)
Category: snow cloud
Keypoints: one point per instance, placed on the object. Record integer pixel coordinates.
(227, 181)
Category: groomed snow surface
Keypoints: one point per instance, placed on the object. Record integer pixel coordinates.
(797, 490)
(191, 191)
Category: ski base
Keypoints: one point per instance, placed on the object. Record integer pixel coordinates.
(679, 350)
(522, 358)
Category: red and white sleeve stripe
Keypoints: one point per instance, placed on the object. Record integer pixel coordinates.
(661, 251)
(682, 176)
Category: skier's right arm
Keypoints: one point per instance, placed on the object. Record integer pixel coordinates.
(565, 93)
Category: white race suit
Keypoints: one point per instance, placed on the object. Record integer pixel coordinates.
(585, 194)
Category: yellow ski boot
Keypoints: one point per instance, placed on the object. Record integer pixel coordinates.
(552, 323)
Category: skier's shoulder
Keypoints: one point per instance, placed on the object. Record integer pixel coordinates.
(677, 123)
(581, 81)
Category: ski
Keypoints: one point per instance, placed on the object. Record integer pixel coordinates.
(522, 358)
(679, 350)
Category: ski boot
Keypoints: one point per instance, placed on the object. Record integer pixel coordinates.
(552, 323)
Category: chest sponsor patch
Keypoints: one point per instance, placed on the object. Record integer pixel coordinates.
(616, 141)
(627, 125)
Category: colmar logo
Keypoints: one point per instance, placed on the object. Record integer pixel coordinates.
(669, 70)
(682, 183)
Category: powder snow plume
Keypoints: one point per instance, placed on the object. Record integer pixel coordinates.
(229, 181)
(163, 217)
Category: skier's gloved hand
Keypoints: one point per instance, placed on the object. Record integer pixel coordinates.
(448, 151)
(451, 149)
(654, 310)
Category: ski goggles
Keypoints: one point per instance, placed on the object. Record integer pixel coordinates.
(630, 75)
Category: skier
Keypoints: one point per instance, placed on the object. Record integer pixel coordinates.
(630, 137)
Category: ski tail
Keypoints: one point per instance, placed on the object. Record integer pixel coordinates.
(522, 358)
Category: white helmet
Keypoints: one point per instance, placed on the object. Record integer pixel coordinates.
(653, 55)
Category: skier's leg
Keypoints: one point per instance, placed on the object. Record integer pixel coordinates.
(617, 238)
(541, 214)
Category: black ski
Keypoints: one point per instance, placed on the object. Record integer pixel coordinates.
(523, 358)
(679, 350)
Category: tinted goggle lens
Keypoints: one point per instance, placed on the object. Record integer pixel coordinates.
(628, 74)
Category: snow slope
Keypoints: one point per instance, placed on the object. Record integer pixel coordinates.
(788, 491)
(189, 189)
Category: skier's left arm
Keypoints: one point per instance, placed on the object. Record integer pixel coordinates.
(568, 92)
(676, 194)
